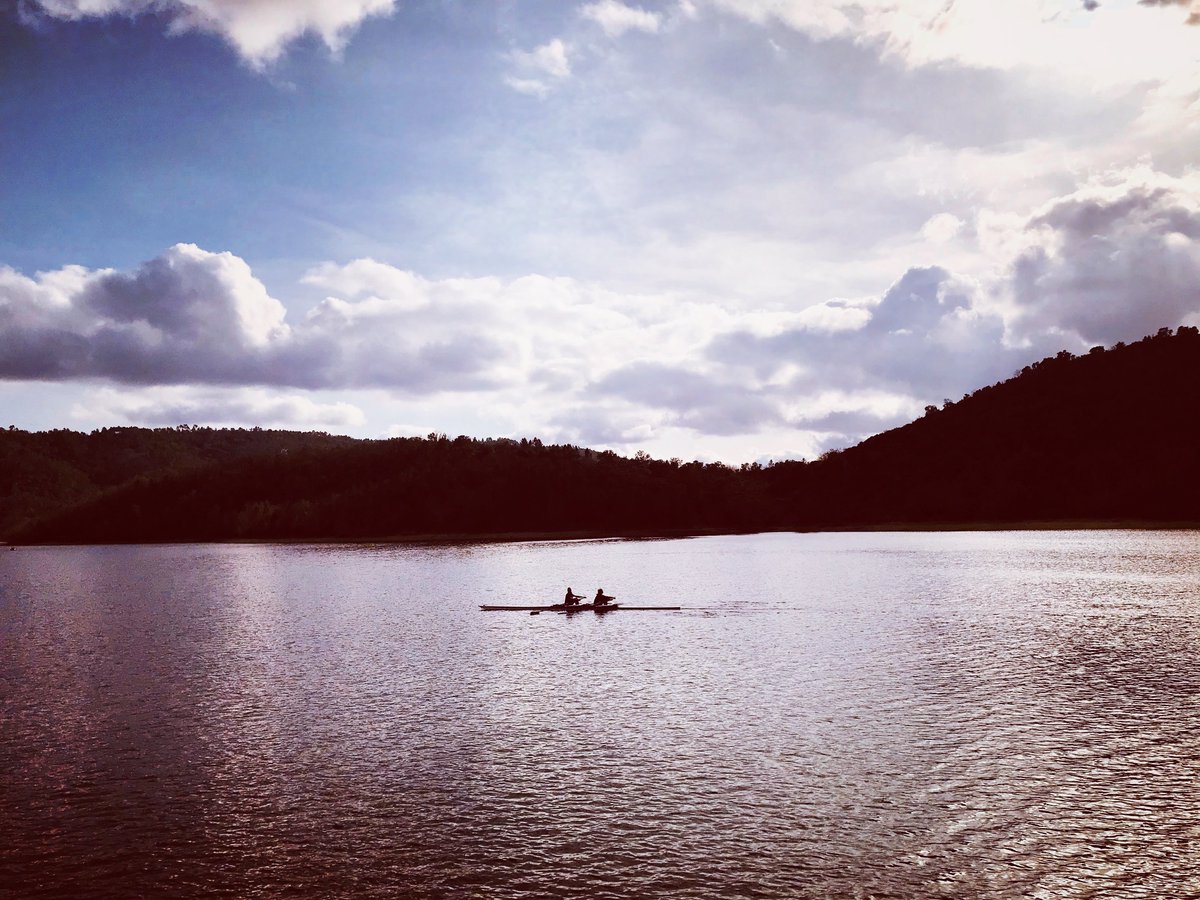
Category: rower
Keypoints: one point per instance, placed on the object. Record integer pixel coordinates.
(572, 598)
(602, 599)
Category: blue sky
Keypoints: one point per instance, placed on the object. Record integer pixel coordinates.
(724, 229)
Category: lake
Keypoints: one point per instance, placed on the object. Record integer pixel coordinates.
(1005, 714)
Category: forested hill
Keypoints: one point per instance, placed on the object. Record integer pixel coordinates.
(1112, 436)
(1108, 437)
(42, 473)
(414, 487)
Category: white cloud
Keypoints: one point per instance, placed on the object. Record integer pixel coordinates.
(851, 413)
(216, 407)
(821, 19)
(616, 18)
(694, 399)
(406, 430)
(549, 59)
(537, 69)
(188, 313)
(370, 279)
(928, 335)
(530, 86)
(258, 29)
(942, 228)
(1117, 44)
(1114, 260)
(209, 297)
(191, 316)
(195, 317)
(603, 425)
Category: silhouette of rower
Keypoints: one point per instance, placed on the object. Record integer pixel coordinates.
(602, 599)
(572, 599)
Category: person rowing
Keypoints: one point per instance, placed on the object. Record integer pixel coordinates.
(602, 599)
(572, 599)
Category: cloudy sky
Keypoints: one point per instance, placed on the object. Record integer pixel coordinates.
(716, 229)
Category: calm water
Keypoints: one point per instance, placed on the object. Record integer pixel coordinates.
(886, 715)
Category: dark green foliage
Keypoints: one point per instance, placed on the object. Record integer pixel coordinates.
(1106, 437)
(410, 486)
(45, 472)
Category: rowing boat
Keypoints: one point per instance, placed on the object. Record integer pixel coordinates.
(579, 607)
(554, 607)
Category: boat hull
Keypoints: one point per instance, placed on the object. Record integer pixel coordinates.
(582, 607)
(555, 607)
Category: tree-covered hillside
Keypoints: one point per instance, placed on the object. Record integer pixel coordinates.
(1110, 436)
(1107, 437)
(45, 472)
(412, 486)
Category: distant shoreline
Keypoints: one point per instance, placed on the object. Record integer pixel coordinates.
(517, 537)
(1032, 525)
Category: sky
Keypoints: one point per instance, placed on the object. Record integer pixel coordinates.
(729, 230)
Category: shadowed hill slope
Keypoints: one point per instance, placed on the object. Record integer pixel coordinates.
(409, 487)
(1110, 436)
(42, 473)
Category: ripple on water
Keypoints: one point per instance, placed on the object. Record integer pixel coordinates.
(888, 715)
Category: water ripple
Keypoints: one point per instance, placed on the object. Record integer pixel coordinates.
(971, 715)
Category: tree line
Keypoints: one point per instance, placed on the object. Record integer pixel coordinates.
(1107, 437)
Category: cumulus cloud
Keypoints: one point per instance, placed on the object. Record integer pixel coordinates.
(549, 355)
(530, 86)
(722, 402)
(408, 430)
(1116, 259)
(206, 406)
(192, 316)
(985, 34)
(601, 425)
(258, 29)
(616, 18)
(537, 69)
(372, 279)
(187, 315)
(926, 336)
(941, 228)
(855, 420)
(1112, 260)
(695, 400)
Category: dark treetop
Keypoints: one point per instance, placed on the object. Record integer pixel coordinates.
(1105, 437)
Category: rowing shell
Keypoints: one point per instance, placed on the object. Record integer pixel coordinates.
(562, 607)
(554, 607)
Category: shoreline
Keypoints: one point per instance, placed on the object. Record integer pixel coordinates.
(517, 537)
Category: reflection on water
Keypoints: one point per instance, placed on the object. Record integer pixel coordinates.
(888, 715)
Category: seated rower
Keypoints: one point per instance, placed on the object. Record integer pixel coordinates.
(572, 599)
(602, 599)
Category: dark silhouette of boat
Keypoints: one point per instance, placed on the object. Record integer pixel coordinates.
(563, 608)
(553, 607)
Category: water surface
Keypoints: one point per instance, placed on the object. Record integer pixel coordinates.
(886, 715)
